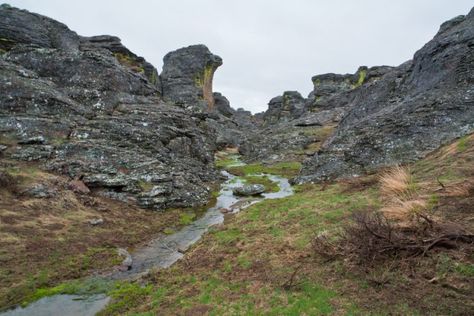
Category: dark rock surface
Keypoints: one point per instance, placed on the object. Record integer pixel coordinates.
(407, 112)
(90, 109)
(187, 77)
(284, 108)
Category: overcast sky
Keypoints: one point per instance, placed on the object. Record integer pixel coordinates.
(268, 46)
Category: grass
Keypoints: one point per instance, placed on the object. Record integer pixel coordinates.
(462, 144)
(269, 185)
(227, 161)
(285, 169)
(241, 268)
(125, 296)
(397, 182)
(130, 62)
(186, 218)
(45, 242)
(261, 261)
(88, 286)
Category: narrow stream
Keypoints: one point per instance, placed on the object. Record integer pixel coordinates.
(161, 252)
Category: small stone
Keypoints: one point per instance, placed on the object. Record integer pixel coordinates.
(79, 187)
(96, 221)
(127, 261)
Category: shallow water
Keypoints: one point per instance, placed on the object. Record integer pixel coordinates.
(166, 250)
(161, 252)
(62, 305)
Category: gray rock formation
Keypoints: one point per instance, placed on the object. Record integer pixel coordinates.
(407, 112)
(284, 108)
(187, 77)
(90, 109)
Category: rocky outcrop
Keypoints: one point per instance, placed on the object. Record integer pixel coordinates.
(187, 77)
(90, 109)
(406, 112)
(124, 56)
(284, 108)
(329, 88)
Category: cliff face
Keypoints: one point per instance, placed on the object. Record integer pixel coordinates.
(91, 109)
(407, 112)
(353, 123)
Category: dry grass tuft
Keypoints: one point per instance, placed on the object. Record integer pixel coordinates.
(403, 203)
(397, 182)
(404, 211)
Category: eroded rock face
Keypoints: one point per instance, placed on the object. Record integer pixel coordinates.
(330, 88)
(89, 108)
(284, 108)
(408, 112)
(187, 77)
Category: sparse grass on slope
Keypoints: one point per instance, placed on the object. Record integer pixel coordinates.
(44, 242)
(262, 263)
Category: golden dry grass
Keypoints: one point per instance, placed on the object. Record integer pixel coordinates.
(398, 190)
(397, 182)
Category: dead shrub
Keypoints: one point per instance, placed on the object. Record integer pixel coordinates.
(373, 238)
(404, 227)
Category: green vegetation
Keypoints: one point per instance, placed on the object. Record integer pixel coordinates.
(145, 185)
(242, 268)
(262, 262)
(229, 160)
(88, 286)
(269, 185)
(186, 218)
(285, 169)
(361, 79)
(462, 144)
(130, 62)
(126, 296)
(201, 79)
(39, 285)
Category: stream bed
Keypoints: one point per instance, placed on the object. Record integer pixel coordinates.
(161, 252)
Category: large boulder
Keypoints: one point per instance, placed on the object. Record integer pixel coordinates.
(249, 190)
(407, 112)
(187, 77)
